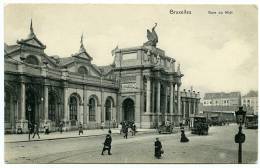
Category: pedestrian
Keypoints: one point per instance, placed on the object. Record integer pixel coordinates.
(199, 128)
(107, 144)
(125, 131)
(36, 131)
(133, 129)
(114, 124)
(120, 127)
(30, 130)
(80, 129)
(102, 125)
(60, 127)
(46, 128)
(158, 151)
(183, 136)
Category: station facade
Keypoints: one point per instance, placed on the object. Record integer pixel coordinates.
(141, 85)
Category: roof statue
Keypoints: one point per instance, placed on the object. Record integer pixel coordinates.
(82, 48)
(152, 37)
(179, 69)
(31, 30)
(113, 52)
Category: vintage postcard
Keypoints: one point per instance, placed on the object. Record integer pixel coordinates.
(130, 83)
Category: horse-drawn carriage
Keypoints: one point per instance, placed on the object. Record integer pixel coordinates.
(200, 126)
(165, 128)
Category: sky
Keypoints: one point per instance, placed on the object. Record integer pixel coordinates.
(216, 52)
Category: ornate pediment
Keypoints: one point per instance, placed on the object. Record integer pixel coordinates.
(32, 40)
(82, 51)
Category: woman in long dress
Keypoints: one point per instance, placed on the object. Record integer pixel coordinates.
(157, 149)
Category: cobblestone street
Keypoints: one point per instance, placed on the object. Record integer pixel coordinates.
(217, 147)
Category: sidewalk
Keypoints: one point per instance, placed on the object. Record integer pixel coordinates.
(10, 138)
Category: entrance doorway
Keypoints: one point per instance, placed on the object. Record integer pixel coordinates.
(128, 110)
(30, 108)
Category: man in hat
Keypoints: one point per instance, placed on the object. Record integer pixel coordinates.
(107, 144)
(158, 149)
(80, 129)
(36, 131)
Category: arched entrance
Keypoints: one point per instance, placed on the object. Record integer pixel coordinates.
(128, 110)
(54, 108)
(30, 107)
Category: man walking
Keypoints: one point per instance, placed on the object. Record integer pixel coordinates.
(36, 131)
(30, 130)
(80, 129)
(125, 131)
(60, 126)
(107, 144)
(133, 129)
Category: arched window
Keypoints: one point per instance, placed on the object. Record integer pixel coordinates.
(32, 60)
(83, 70)
(108, 109)
(92, 109)
(73, 108)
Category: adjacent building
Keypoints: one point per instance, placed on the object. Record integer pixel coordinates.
(221, 104)
(250, 102)
(141, 85)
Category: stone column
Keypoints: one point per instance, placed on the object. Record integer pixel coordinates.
(166, 103)
(46, 103)
(85, 107)
(189, 107)
(171, 99)
(158, 100)
(179, 101)
(194, 107)
(22, 101)
(80, 113)
(148, 95)
(102, 117)
(65, 107)
(184, 108)
(153, 96)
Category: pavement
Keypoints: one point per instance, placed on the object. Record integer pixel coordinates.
(216, 147)
(12, 138)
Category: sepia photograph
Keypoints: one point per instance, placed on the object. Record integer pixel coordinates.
(130, 83)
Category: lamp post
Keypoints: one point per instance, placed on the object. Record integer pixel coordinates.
(240, 137)
(29, 122)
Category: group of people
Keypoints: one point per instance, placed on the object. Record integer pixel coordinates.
(33, 129)
(158, 151)
(125, 128)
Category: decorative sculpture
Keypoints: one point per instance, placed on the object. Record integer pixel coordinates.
(152, 37)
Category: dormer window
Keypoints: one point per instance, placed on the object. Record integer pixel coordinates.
(32, 60)
(83, 70)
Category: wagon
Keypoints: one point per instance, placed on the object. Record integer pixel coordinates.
(200, 126)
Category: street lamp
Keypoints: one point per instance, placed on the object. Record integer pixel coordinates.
(240, 137)
(29, 122)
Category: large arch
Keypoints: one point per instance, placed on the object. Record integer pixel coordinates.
(10, 108)
(54, 106)
(109, 104)
(32, 103)
(128, 109)
(92, 105)
(83, 70)
(31, 59)
(74, 103)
